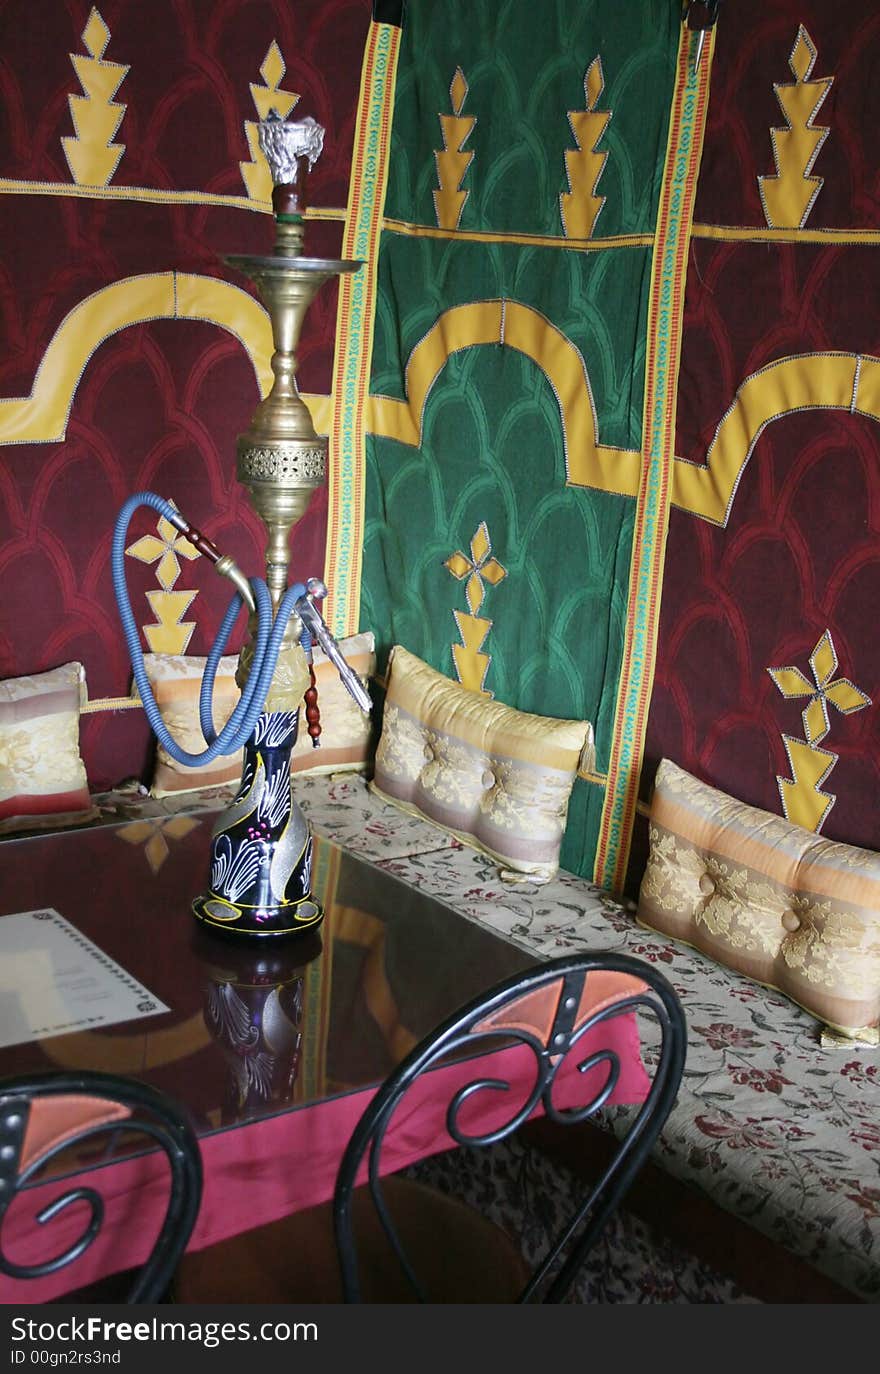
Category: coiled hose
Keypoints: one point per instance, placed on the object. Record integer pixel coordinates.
(269, 635)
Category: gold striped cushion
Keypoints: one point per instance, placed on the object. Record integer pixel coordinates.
(497, 778)
(767, 898)
(43, 781)
(176, 681)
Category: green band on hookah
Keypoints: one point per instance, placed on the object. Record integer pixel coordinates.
(289, 219)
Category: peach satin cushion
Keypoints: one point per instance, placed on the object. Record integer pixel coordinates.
(767, 898)
(176, 682)
(497, 778)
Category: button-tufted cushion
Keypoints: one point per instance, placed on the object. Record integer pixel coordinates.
(497, 778)
(767, 898)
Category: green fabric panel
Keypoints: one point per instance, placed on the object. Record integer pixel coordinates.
(582, 829)
(598, 300)
(524, 62)
(492, 445)
(492, 450)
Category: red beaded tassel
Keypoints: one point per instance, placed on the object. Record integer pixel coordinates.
(313, 715)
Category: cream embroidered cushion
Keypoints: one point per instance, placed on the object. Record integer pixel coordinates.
(42, 776)
(497, 778)
(767, 898)
(176, 682)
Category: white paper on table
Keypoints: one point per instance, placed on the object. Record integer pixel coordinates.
(53, 980)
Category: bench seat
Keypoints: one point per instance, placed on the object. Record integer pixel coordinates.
(771, 1125)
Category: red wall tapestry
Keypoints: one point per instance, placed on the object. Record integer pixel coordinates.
(128, 167)
(768, 665)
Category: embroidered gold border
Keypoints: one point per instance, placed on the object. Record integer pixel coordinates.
(354, 330)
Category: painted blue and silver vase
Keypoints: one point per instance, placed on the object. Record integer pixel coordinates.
(261, 847)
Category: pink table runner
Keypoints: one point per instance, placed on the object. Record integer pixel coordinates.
(260, 1172)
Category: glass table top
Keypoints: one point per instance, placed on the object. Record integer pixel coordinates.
(253, 1028)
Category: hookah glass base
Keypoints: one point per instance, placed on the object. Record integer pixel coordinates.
(261, 846)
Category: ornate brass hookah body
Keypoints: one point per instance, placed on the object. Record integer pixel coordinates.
(261, 847)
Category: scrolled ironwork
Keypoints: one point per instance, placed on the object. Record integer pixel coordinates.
(467, 1092)
(477, 1026)
(96, 1216)
(149, 1114)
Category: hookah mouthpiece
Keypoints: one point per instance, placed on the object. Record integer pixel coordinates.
(316, 625)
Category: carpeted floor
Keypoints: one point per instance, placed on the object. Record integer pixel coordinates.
(530, 1196)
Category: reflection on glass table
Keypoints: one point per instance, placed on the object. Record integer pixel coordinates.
(273, 1050)
(347, 1002)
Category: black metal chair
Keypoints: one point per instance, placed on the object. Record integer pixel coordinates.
(43, 1117)
(548, 1009)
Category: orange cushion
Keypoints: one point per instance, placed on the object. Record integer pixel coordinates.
(176, 681)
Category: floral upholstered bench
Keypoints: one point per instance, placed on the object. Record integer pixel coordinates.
(771, 1126)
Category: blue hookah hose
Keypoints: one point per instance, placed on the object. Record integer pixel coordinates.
(267, 647)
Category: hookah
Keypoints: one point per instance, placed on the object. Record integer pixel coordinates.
(261, 846)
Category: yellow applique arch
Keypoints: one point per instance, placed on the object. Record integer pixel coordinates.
(41, 417)
(807, 381)
(587, 463)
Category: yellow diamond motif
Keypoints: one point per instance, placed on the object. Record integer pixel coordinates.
(823, 661)
(148, 549)
(273, 67)
(803, 56)
(458, 90)
(594, 83)
(480, 545)
(846, 697)
(474, 592)
(96, 35)
(493, 572)
(816, 723)
(179, 826)
(168, 570)
(136, 832)
(152, 835)
(458, 565)
(791, 682)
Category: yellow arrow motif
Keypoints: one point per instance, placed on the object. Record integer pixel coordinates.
(788, 196)
(803, 801)
(255, 174)
(91, 155)
(470, 665)
(171, 634)
(480, 568)
(452, 162)
(580, 206)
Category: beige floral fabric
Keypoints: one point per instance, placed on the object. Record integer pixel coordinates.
(767, 898)
(42, 776)
(496, 778)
